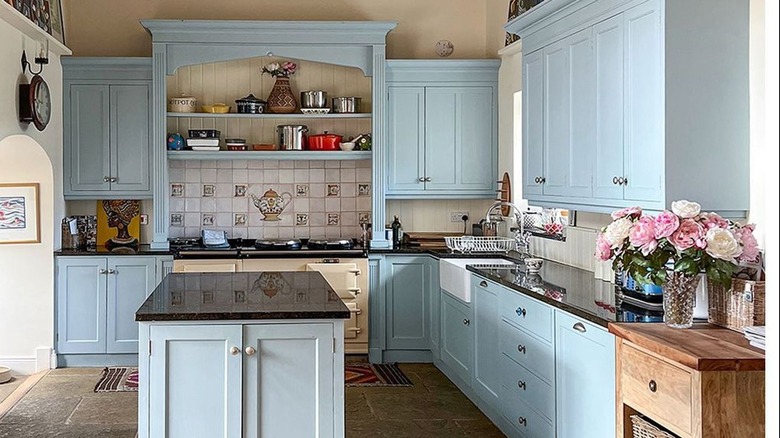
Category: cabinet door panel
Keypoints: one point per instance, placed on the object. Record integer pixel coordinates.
(644, 139)
(569, 103)
(288, 382)
(533, 122)
(585, 378)
(442, 114)
(456, 337)
(434, 297)
(195, 381)
(407, 283)
(128, 287)
(130, 137)
(608, 51)
(81, 305)
(406, 139)
(486, 347)
(89, 138)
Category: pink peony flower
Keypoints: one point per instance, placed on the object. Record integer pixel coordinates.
(643, 232)
(713, 220)
(748, 241)
(632, 212)
(689, 233)
(603, 248)
(649, 247)
(666, 223)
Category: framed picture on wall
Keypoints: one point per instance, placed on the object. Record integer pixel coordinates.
(56, 24)
(20, 217)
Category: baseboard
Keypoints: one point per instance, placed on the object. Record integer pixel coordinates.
(96, 360)
(407, 356)
(21, 365)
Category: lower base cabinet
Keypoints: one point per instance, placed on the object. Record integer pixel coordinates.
(250, 380)
(457, 336)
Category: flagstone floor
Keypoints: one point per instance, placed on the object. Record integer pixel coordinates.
(63, 405)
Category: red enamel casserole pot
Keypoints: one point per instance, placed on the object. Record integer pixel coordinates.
(324, 142)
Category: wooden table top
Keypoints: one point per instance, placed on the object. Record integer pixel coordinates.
(704, 347)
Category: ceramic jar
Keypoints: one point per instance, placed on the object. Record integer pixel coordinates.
(281, 100)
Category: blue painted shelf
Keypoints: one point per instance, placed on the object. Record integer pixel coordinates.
(269, 155)
(271, 116)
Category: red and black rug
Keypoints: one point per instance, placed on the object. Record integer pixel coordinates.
(119, 379)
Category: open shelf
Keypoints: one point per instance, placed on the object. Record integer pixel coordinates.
(272, 116)
(16, 19)
(269, 155)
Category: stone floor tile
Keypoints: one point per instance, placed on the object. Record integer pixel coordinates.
(106, 409)
(54, 409)
(479, 428)
(404, 407)
(10, 386)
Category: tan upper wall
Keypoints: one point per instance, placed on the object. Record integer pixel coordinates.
(112, 28)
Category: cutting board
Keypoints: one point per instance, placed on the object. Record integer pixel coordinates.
(429, 239)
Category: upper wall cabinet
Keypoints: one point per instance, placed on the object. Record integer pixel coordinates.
(442, 129)
(107, 136)
(622, 106)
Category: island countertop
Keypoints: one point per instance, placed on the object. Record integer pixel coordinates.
(242, 296)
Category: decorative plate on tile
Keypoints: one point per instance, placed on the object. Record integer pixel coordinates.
(315, 110)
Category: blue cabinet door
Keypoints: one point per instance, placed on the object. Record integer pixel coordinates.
(608, 53)
(81, 305)
(568, 112)
(195, 381)
(87, 158)
(130, 138)
(460, 139)
(288, 380)
(130, 281)
(644, 124)
(434, 298)
(487, 352)
(585, 378)
(406, 291)
(406, 140)
(533, 122)
(457, 337)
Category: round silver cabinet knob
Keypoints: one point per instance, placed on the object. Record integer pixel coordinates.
(234, 350)
(250, 351)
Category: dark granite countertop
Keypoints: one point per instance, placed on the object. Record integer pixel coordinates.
(568, 288)
(445, 253)
(242, 296)
(103, 251)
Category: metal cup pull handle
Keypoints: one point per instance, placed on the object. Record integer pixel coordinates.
(580, 327)
(483, 283)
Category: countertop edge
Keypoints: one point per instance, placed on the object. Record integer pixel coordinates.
(289, 316)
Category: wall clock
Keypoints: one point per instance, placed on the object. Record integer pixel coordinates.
(35, 103)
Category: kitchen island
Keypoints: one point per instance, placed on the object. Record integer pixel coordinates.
(241, 355)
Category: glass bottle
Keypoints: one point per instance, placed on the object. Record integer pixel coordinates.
(396, 227)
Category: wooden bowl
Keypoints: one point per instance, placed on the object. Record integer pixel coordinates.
(264, 147)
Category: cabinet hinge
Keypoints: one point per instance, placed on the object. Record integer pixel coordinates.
(150, 348)
(333, 346)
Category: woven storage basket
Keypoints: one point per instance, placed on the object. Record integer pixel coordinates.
(739, 307)
(642, 428)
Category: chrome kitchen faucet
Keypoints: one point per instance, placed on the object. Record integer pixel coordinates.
(522, 237)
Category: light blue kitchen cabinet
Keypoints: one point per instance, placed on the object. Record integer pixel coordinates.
(274, 379)
(107, 136)
(407, 288)
(457, 337)
(96, 302)
(627, 112)
(585, 378)
(442, 119)
(486, 371)
(81, 304)
(434, 309)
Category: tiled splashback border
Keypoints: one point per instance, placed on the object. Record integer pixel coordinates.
(326, 198)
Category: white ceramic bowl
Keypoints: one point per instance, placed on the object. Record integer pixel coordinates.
(347, 145)
(533, 265)
(5, 374)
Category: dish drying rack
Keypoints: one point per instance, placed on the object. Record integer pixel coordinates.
(469, 244)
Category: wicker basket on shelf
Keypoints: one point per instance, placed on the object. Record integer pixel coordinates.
(642, 428)
(739, 307)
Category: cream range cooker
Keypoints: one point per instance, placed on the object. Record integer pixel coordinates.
(343, 265)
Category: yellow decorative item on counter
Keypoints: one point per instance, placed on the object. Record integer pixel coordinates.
(119, 223)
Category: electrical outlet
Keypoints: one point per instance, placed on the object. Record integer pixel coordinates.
(456, 216)
(144, 219)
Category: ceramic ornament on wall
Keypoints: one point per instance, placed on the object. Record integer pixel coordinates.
(119, 223)
(444, 48)
(271, 204)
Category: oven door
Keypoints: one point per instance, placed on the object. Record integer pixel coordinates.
(206, 265)
(345, 278)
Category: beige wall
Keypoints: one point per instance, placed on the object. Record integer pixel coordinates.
(111, 28)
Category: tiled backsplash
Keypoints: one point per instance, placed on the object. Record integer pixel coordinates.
(326, 198)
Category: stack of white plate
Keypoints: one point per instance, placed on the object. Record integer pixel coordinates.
(203, 144)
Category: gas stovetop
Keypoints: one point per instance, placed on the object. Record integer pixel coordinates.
(249, 248)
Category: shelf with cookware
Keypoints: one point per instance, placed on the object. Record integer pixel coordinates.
(269, 155)
(270, 116)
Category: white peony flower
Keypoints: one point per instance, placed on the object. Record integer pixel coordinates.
(273, 66)
(721, 244)
(685, 209)
(617, 232)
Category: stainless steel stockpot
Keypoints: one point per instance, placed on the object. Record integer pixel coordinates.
(291, 137)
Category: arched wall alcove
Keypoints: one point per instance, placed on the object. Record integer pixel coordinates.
(27, 269)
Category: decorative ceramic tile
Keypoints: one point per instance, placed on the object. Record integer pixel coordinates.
(209, 190)
(239, 219)
(364, 217)
(301, 190)
(239, 296)
(239, 190)
(177, 220)
(333, 190)
(364, 190)
(177, 190)
(334, 218)
(207, 297)
(301, 219)
(208, 219)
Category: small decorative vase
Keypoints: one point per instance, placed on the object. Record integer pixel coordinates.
(679, 297)
(281, 100)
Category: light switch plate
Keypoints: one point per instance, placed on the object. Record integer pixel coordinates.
(144, 219)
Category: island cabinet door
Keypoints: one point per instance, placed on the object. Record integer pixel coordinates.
(195, 381)
(289, 381)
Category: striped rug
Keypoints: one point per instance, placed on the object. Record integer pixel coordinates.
(119, 379)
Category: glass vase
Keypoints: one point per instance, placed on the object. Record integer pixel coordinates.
(679, 299)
